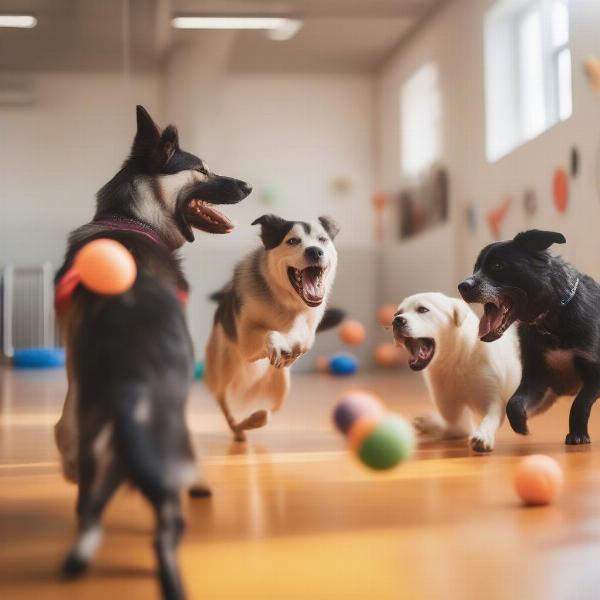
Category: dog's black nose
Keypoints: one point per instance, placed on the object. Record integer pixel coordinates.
(245, 188)
(466, 288)
(399, 321)
(313, 253)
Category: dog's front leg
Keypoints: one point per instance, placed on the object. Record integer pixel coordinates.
(483, 439)
(582, 405)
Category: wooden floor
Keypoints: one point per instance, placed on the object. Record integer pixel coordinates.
(294, 516)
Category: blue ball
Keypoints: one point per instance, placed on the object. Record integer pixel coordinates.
(38, 358)
(343, 364)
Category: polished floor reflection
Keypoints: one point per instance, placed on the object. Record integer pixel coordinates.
(294, 516)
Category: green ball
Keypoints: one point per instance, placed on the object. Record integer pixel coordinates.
(389, 444)
(199, 370)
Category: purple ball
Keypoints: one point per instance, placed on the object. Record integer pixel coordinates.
(353, 406)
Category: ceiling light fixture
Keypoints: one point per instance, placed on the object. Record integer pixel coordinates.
(18, 21)
(280, 28)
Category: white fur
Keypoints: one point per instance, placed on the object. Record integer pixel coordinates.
(465, 376)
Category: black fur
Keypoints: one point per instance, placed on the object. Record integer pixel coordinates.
(557, 308)
(132, 360)
(273, 228)
(331, 318)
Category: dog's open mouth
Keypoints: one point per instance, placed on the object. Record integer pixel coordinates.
(497, 318)
(309, 284)
(421, 351)
(205, 216)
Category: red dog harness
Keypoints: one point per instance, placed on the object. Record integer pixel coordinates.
(69, 282)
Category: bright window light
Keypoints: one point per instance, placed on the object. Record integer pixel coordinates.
(531, 84)
(527, 71)
(420, 121)
(18, 21)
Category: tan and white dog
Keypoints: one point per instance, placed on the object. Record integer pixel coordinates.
(267, 317)
(463, 374)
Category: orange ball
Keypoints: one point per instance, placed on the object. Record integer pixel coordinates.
(538, 479)
(388, 355)
(322, 364)
(352, 333)
(105, 267)
(361, 429)
(385, 314)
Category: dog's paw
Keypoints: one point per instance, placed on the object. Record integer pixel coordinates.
(577, 439)
(280, 353)
(74, 566)
(481, 442)
(430, 424)
(200, 490)
(517, 417)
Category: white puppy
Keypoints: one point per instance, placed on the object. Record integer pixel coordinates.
(463, 374)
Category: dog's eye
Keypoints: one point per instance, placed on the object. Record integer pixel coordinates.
(293, 241)
(422, 310)
(322, 239)
(498, 265)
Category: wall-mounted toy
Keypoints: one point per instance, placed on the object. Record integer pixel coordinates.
(378, 202)
(496, 216)
(342, 185)
(560, 190)
(105, 267)
(574, 161)
(381, 440)
(538, 479)
(343, 364)
(591, 66)
(269, 195)
(352, 333)
(388, 355)
(530, 204)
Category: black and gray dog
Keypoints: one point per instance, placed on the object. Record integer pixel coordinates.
(558, 310)
(129, 357)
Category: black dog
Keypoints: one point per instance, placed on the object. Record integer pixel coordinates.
(559, 325)
(129, 357)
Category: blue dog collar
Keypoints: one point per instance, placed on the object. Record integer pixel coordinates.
(571, 295)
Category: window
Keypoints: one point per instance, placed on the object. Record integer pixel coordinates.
(528, 71)
(420, 121)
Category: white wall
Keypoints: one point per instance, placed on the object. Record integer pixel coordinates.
(440, 258)
(56, 154)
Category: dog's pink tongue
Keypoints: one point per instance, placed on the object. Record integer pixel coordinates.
(490, 320)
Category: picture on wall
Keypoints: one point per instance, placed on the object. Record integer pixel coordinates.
(423, 205)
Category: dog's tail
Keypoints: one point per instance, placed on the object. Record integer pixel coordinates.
(145, 464)
(331, 318)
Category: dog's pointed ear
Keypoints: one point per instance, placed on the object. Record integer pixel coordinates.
(330, 226)
(459, 312)
(169, 141)
(147, 136)
(272, 229)
(536, 240)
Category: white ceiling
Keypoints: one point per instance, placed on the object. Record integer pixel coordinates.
(87, 35)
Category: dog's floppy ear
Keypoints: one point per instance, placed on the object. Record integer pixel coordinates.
(536, 240)
(459, 312)
(272, 229)
(330, 226)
